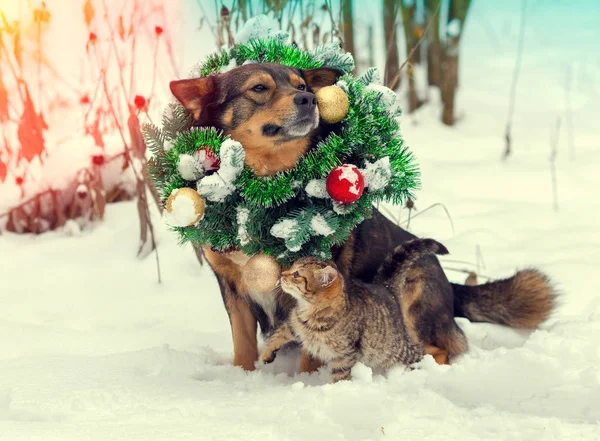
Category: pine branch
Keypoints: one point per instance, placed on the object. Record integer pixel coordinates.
(154, 139)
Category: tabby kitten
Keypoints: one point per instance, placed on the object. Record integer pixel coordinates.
(343, 322)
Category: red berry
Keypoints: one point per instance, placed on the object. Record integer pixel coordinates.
(98, 159)
(85, 99)
(93, 37)
(139, 101)
(19, 180)
(345, 184)
(158, 30)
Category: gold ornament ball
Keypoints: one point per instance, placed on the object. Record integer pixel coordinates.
(261, 273)
(333, 104)
(185, 207)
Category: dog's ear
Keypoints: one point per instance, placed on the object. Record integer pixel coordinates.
(321, 77)
(195, 94)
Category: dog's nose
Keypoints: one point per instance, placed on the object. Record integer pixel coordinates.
(305, 100)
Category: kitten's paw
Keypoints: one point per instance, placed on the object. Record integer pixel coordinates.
(267, 357)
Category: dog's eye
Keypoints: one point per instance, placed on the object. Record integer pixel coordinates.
(259, 88)
(296, 275)
(301, 87)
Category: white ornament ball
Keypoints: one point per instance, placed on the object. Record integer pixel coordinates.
(185, 207)
(261, 273)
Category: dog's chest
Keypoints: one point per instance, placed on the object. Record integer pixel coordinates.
(266, 300)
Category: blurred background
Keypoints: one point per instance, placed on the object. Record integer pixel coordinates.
(77, 78)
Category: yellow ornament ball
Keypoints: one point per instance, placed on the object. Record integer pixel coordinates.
(333, 104)
(261, 274)
(185, 207)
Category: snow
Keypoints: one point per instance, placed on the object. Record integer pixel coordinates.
(388, 97)
(319, 225)
(362, 373)
(82, 189)
(219, 185)
(377, 174)
(317, 188)
(341, 208)
(94, 348)
(453, 28)
(342, 85)
(286, 229)
(331, 55)
(261, 26)
(190, 167)
(373, 72)
(232, 65)
(242, 220)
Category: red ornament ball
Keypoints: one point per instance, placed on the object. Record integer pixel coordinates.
(345, 184)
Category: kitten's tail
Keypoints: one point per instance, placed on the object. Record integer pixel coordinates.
(402, 259)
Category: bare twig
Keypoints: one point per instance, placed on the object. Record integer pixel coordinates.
(569, 113)
(416, 46)
(553, 152)
(460, 270)
(410, 205)
(462, 262)
(205, 15)
(334, 28)
(479, 258)
(13, 70)
(116, 52)
(393, 218)
(39, 64)
(26, 202)
(513, 87)
(389, 56)
(155, 69)
(429, 208)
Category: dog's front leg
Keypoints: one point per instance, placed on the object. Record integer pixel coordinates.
(243, 331)
(243, 323)
(309, 364)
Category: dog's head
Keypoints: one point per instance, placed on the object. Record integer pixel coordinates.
(270, 109)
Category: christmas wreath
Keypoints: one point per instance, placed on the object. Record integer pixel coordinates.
(212, 199)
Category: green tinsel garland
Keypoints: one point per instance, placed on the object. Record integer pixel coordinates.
(369, 133)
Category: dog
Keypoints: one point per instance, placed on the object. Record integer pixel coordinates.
(272, 111)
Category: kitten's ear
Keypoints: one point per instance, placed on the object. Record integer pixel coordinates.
(195, 94)
(321, 77)
(327, 276)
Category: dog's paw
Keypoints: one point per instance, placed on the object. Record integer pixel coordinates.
(267, 357)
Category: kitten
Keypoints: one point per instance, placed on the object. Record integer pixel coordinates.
(343, 322)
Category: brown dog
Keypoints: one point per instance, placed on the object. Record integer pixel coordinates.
(272, 111)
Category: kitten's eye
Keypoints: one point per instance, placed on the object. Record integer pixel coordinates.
(301, 87)
(296, 275)
(259, 88)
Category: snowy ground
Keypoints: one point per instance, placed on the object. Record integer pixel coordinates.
(93, 348)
